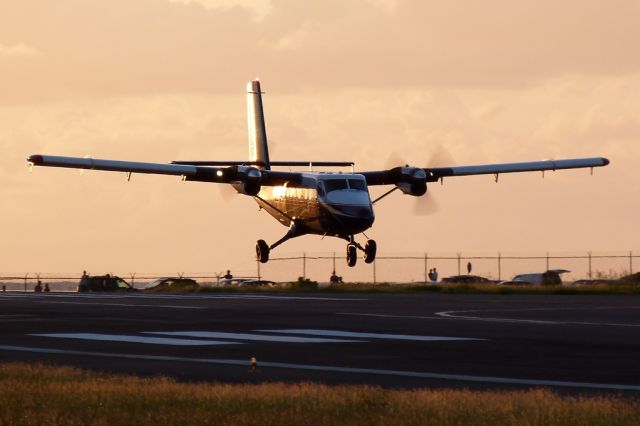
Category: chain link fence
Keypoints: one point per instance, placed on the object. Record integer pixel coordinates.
(385, 269)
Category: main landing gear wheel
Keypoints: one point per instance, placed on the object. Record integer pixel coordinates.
(370, 251)
(352, 255)
(262, 251)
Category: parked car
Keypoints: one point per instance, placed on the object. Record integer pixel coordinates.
(550, 277)
(467, 279)
(103, 283)
(171, 283)
(256, 283)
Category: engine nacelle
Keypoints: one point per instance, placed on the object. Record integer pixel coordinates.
(249, 180)
(412, 181)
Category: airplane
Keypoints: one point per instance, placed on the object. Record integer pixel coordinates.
(336, 204)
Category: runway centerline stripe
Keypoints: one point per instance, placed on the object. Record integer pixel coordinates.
(328, 368)
(136, 339)
(364, 314)
(248, 336)
(386, 336)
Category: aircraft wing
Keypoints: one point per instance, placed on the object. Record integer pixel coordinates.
(408, 174)
(230, 174)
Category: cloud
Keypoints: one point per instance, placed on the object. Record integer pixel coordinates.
(259, 7)
(123, 47)
(18, 50)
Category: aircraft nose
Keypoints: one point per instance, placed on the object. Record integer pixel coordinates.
(356, 218)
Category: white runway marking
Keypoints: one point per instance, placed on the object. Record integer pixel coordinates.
(334, 369)
(456, 315)
(122, 304)
(136, 339)
(247, 336)
(338, 333)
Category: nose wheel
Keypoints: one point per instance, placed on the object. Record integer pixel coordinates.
(352, 255)
(369, 249)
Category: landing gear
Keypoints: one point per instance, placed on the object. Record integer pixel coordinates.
(262, 251)
(370, 249)
(352, 255)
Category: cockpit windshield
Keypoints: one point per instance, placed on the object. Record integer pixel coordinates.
(357, 184)
(338, 184)
(335, 184)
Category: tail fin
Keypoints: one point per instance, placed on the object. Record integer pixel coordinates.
(258, 149)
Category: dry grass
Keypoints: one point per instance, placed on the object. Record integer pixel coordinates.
(38, 395)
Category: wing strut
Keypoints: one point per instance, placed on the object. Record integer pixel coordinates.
(384, 195)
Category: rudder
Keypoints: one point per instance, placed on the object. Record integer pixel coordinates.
(258, 149)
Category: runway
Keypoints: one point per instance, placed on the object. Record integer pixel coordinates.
(570, 343)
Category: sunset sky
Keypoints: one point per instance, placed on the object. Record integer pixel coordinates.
(161, 80)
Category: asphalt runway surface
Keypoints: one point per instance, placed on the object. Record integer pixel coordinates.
(567, 343)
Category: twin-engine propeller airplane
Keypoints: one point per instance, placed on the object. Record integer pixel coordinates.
(333, 204)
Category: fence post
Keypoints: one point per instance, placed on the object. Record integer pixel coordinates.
(458, 263)
(547, 261)
(630, 263)
(374, 272)
(426, 260)
(590, 275)
(304, 266)
(334, 261)
(499, 266)
(25, 282)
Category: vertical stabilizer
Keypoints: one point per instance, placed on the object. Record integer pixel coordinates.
(258, 150)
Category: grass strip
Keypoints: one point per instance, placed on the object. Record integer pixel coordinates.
(39, 394)
(592, 289)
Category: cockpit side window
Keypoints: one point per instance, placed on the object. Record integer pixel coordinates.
(335, 184)
(357, 184)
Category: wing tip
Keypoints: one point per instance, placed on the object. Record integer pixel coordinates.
(35, 159)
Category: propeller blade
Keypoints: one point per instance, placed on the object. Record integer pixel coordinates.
(441, 157)
(394, 160)
(425, 205)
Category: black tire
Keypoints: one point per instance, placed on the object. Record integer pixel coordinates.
(352, 255)
(370, 250)
(262, 251)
